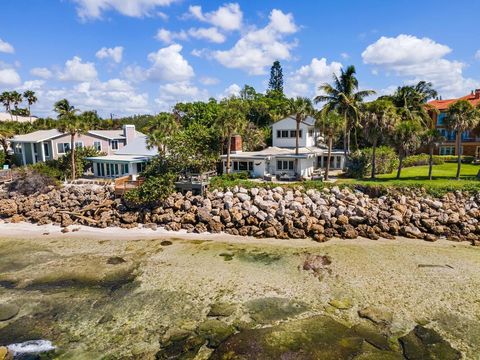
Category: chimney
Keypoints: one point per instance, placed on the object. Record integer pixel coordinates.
(477, 93)
(236, 145)
(129, 132)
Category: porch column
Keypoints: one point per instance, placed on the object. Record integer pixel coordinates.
(42, 151)
(32, 145)
(23, 153)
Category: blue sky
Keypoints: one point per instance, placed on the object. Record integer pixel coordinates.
(142, 56)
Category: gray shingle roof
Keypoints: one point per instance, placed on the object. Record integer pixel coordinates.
(138, 147)
(37, 136)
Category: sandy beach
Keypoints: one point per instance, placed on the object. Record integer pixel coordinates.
(117, 292)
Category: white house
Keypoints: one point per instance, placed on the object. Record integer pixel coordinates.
(130, 160)
(280, 159)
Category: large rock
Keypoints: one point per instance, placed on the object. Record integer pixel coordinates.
(8, 207)
(8, 311)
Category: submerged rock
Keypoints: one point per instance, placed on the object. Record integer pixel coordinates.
(8, 311)
(215, 332)
(221, 309)
(426, 344)
(376, 314)
(266, 310)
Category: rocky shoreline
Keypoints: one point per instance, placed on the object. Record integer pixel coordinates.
(277, 213)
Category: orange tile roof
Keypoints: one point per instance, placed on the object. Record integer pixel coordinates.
(444, 104)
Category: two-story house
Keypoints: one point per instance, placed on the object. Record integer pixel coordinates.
(43, 145)
(280, 159)
(470, 138)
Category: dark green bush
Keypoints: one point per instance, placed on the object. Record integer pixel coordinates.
(154, 190)
(422, 159)
(360, 162)
(47, 170)
(2, 159)
(454, 158)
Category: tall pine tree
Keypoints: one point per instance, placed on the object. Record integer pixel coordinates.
(276, 78)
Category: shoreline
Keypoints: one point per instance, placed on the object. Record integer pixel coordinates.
(21, 230)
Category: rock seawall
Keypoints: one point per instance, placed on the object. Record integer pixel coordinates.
(279, 212)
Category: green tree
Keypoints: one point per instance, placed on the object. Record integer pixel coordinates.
(276, 78)
(231, 120)
(6, 99)
(72, 125)
(300, 108)
(331, 125)
(6, 133)
(160, 128)
(31, 99)
(406, 139)
(378, 119)
(461, 116)
(343, 96)
(16, 99)
(64, 109)
(431, 138)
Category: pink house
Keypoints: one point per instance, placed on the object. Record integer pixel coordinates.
(45, 145)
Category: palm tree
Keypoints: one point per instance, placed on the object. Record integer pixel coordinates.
(300, 108)
(431, 138)
(6, 99)
(343, 96)
(29, 95)
(72, 125)
(160, 128)
(231, 119)
(378, 119)
(16, 98)
(461, 116)
(331, 125)
(406, 139)
(64, 109)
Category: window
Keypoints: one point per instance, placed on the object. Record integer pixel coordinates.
(310, 132)
(78, 144)
(114, 144)
(140, 167)
(97, 145)
(63, 147)
(288, 134)
(18, 148)
(284, 165)
(294, 132)
(124, 168)
(46, 150)
(440, 118)
(242, 165)
(447, 150)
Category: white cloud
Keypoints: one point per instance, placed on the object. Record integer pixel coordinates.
(257, 49)
(76, 70)
(306, 80)
(32, 85)
(134, 73)
(93, 9)
(9, 77)
(345, 55)
(205, 80)
(232, 90)
(115, 53)
(168, 37)
(5, 47)
(477, 55)
(41, 72)
(420, 59)
(168, 64)
(211, 34)
(182, 91)
(227, 17)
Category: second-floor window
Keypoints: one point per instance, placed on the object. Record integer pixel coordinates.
(114, 144)
(288, 134)
(97, 145)
(62, 148)
(78, 144)
(440, 119)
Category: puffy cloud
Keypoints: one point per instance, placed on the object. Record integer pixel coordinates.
(305, 80)
(93, 9)
(211, 34)
(115, 53)
(420, 59)
(9, 77)
(232, 90)
(228, 16)
(171, 93)
(76, 70)
(403, 50)
(257, 49)
(5, 47)
(134, 73)
(41, 72)
(168, 64)
(169, 37)
(205, 80)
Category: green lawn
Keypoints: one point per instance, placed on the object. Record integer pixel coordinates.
(417, 176)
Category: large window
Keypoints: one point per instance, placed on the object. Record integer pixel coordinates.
(242, 165)
(441, 118)
(284, 165)
(46, 150)
(97, 145)
(288, 134)
(114, 144)
(140, 167)
(62, 148)
(18, 148)
(447, 150)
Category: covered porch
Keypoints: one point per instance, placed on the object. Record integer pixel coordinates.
(115, 166)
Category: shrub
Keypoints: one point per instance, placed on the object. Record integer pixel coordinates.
(154, 190)
(454, 158)
(47, 170)
(64, 163)
(30, 181)
(2, 158)
(422, 159)
(360, 162)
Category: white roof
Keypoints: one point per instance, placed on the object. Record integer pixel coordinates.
(119, 158)
(138, 146)
(7, 117)
(274, 151)
(109, 134)
(37, 136)
(309, 121)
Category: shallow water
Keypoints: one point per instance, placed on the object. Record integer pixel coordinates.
(130, 299)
